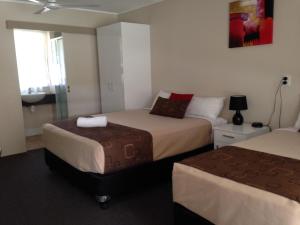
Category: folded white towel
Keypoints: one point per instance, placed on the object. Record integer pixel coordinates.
(100, 121)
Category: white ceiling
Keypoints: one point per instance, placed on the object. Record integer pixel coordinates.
(111, 6)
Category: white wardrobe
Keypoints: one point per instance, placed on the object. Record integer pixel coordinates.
(125, 66)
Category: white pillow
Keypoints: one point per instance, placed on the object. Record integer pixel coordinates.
(162, 94)
(209, 107)
(297, 124)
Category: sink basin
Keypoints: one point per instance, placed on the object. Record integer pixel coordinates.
(33, 97)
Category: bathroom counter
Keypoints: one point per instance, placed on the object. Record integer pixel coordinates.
(49, 99)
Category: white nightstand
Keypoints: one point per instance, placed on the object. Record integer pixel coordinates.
(229, 134)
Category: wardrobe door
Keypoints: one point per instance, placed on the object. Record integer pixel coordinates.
(111, 70)
(137, 65)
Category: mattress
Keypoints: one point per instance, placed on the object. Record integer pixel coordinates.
(226, 202)
(170, 137)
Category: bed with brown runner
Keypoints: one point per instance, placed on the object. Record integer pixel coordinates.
(134, 150)
(253, 182)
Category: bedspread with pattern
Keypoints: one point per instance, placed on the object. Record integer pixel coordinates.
(272, 173)
(123, 146)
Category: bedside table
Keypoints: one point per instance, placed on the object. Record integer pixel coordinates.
(228, 134)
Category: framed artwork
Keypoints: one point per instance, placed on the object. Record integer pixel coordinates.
(251, 23)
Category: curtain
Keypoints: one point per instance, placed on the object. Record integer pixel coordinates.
(32, 60)
(61, 102)
(57, 71)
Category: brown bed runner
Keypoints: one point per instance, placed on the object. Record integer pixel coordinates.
(124, 147)
(272, 173)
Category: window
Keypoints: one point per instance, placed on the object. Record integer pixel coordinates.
(40, 60)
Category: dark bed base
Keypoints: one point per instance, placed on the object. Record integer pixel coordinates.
(103, 187)
(183, 216)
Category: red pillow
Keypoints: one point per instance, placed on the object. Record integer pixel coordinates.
(182, 97)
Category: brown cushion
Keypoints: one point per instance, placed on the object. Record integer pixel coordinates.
(170, 108)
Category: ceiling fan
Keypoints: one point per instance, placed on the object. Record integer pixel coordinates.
(50, 5)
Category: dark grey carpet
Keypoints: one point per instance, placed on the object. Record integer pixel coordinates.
(32, 195)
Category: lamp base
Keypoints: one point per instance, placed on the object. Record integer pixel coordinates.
(238, 119)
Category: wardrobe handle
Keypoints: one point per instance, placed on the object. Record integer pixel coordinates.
(227, 136)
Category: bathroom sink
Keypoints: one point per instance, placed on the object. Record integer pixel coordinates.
(33, 97)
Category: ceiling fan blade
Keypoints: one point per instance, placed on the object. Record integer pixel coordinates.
(77, 5)
(35, 1)
(50, 5)
(43, 10)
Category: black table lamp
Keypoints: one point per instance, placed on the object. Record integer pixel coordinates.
(238, 103)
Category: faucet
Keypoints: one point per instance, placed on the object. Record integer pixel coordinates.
(30, 90)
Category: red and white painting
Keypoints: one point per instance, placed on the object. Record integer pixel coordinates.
(251, 23)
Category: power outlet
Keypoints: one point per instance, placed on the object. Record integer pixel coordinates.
(287, 80)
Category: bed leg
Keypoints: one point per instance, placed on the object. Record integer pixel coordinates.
(103, 201)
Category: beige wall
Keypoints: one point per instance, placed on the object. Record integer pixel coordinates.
(11, 119)
(190, 53)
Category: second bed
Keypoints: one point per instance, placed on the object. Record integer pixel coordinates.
(252, 182)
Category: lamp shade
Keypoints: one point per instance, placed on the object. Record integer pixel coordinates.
(238, 102)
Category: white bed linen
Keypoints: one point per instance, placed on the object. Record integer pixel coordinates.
(291, 129)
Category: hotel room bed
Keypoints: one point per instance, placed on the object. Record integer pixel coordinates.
(172, 139)
(262, 198)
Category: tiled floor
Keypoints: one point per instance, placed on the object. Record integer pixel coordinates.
(34, 142)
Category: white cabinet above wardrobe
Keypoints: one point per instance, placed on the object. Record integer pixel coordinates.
(125, 66)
